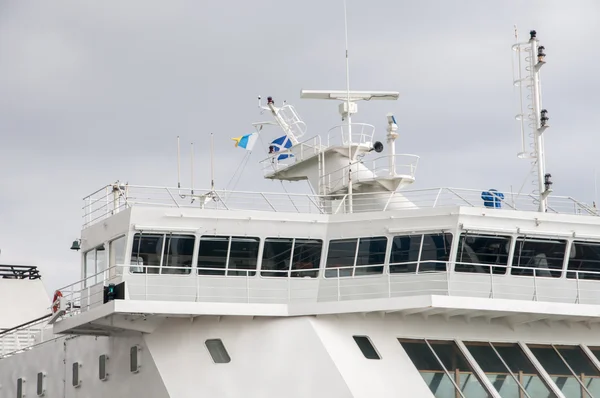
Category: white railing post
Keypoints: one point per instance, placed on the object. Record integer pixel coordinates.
(578, 292)
(389, 281)
(447, 280)
(491, 282)
(534, 286)
(247, 288)
(437, 197)
(338, 284)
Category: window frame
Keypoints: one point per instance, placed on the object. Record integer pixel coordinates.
(514, 261)
(489, 267)
(417, 263)
(383, 265)
(87, 281)
(251, 272)
(166, 236)
(288, 273)
(575, 273)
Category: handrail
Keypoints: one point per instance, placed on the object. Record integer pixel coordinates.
(28, 323)
(310, 203)
(19, 272)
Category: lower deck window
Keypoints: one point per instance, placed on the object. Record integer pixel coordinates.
(217, 351)
(366, 347)
(444, 368)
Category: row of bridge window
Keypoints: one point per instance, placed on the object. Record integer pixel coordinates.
(301, 257)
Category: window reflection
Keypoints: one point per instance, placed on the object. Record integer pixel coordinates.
(544, 255)
(509, 370)
(474, 250)
(443, 367)
(584, 256)
(420, 253)
(568, 367)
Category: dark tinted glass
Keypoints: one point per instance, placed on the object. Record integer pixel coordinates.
(341, 253)
(212, 255)
(541, 254)
(276, 258)
(585, 257)
(474, 251)
(405, 253)
(371, 251)
(366, 347)
(243, 255)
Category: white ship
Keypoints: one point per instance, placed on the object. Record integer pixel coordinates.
(363, 289)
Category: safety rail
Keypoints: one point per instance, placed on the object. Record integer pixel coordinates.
(360, 134)
(99, 208)
(394, 165)
(19, 272)
(300, 152)
(426, 277)
(24, 336)
(403, 165)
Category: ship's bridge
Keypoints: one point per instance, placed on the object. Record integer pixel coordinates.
(149, 250)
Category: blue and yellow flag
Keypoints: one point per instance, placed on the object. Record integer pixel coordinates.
(246, 141)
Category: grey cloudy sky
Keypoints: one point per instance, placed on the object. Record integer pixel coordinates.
(95, 91)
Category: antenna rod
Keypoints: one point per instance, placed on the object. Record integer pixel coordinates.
(178, 166)
(192, 149)
(212, 163)
(348, 114)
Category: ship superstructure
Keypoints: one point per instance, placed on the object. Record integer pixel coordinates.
(363, 289)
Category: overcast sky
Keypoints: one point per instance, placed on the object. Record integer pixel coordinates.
(95, 91)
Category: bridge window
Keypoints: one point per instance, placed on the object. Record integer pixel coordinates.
(228, 255)
(420, 253)
(476, 251)
(95, 262)
(291, 256)
(444, 368)
(117, 251)
(356, 257)
(585, 258)
(544, 255)
(162, 253)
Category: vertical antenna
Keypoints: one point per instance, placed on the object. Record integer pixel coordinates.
(538, 118)
(178, 166)
(348, 114)
(595, 188)
(192, 151)
(519, 78)
(212, 164)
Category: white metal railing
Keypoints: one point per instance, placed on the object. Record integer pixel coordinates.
(302, 151)
(404, 165)
(23, 337)
(338, 284)
(102, 203)
(361, 134)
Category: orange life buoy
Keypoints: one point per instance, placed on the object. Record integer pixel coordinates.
(55, 303)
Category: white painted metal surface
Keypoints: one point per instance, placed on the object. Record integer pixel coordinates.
(332, 329)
